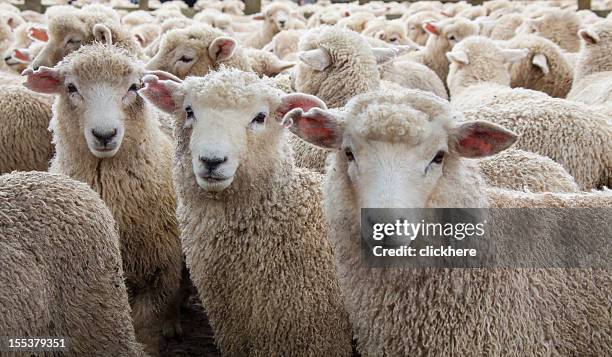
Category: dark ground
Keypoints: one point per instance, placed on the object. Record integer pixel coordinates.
(197, 339)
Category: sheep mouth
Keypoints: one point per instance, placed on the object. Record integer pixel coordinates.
(213, 178)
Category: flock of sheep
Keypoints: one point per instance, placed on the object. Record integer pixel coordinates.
(141, 152)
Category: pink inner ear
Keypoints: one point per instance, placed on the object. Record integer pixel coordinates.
(159, 94)
(40, 35)
(315, 130)
(478, 141)
(225, 49)
(432, 29)
(42, 82)
(20, 55)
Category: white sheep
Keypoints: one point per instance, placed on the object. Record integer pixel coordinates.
(275, 16)
(545, 68)
(559, 26)
(168, 25)
(570, 133)
(285, 44)
(61, 266)
(593, 72)
(268, 285)
(414, 24)
(105, 135)
(408, 149)
(505, 27)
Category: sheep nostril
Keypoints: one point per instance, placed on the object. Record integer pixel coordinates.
(212, 163)
(104, 137)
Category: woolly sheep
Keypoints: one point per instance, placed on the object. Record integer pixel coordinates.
(505, 27)
(72, 28)
(593, 73)
(231, 164)
(106, 136)
(443, 35)
(357, 22)
(559, 26)
(196, 50)
(393, 32)
(265, 63)
(413, 75)
(285, 44)
(570, 133)
(417, 148)
(414, 24)
(145, 34)
(60, 246)
(167, 26)
(544, 69)
(136, 18)
(275, 16)
(473, 12)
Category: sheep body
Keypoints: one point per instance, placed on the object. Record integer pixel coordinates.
(44, 213)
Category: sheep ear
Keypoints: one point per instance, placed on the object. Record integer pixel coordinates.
(317, 126)
(384, 55)
(102, 34)
(43, 80)
(38, 34)
(279, 65)
(318, 59)
(298, 100)
(22, 55)
(540, 61)
(481, 138)
(432, 28)
(258, 16)
(514, 55)
(165, 76)
(222, 49)
(164, 94)
(139, 39)
(589, 36)
(458, 56)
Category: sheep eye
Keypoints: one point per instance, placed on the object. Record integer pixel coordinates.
(393, 39)
(73, 41)
(451, 37)
(349, 154)
(189, 112)
(72, 88)
(438, 158)
(133, 88)
(185, 59)
(260, 118)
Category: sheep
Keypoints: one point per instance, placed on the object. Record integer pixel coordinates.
(559, 26)
(275, 16)
(393, 32)
(136, 18)
(145, 34)
(570, 133)
(60, 246)
(544, 69)
(71, 28)
(259, 300)
(6, 38)
(593, 72)
(414, 75)
(443, 35)
(170, 24)
(407, 149)
(415, 22)
(25, 142)
(22, 40)
(105, 135)
(505, 27)
(357, 21)
(196, 50)
(473, 12)
(265, 63)
(285, 44)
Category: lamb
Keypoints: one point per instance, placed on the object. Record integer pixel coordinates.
(60, 246)
(265, 63)
(408, 149)
(72, 28)
(276, 16)
(545, 68)
(393, 32)
(105, 135)
(413, 75)
(559, 26)
(136, 18)
(593, 72)
(196, 50)
(285, 44)
(145, 34)
(357, 21)
(415, 23)
(570, 133)
(443, 35)
(171, 24)
(230, 165)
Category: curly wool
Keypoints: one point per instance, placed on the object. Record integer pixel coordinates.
(257, 251)
(60, 246)
(449, 307)
(25, 141)
(136, 184)
(557, 82)
(569, 133)
(414, 75)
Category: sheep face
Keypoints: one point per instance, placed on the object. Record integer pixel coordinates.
(447, 33)
(394, 149)
(98, 97)
(225, 122)
(278, 20)
(182, 53)
(64, 38)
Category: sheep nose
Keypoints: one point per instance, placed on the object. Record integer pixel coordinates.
(104, 137)
(282, 22)
(212, 163)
